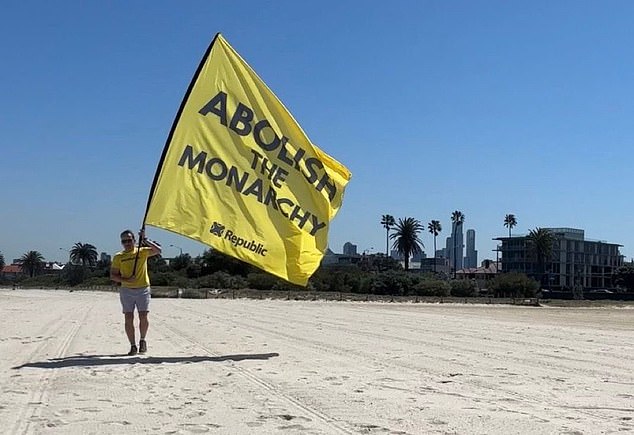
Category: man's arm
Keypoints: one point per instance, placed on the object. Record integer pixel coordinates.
(115, 275)
(155, 247)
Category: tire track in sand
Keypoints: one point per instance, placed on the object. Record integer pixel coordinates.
(488, 388)
(31, 410)
(276, 391)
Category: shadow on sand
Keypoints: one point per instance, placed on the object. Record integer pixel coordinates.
(103, 360)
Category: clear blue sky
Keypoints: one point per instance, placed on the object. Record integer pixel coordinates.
(488, 107)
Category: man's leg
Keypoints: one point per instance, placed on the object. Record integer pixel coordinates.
(143, 306)
(129, 326)
(129, 330)
(127, 305)
(144, 323)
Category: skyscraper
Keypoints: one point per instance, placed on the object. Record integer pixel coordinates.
(349, 249)
(457, 238)
(418, 257)
(471, 258)
(449, 250)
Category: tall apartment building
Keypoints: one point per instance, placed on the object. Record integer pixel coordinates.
(471, 257)
(349, 249)
(394, 254)
(574, 261)
(418, 257)
(449, 250)
(456, 235)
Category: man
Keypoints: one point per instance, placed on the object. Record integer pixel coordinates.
(129, 268)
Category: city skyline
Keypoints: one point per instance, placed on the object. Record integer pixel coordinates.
(488, 108)
(470, 245)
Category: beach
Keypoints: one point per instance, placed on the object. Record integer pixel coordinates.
(313, 367)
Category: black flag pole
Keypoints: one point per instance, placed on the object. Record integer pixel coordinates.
(174, 124)
(169, 139)
(138, 249)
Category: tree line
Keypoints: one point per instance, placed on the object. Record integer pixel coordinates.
(405, 236)
(375, 273)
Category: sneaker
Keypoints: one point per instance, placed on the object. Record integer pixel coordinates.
(142, 346)
(133, 350)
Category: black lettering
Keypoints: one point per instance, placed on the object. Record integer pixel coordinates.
(311, 164)
(316, 225)
(271, 198)
(329, 185)
(256, 158)
(283, 154)
(295, 215)
(284, 201)
(257, 135)
(188, 156)
(255, 189)
(210, 107)
(280, 176)
(267, 170)
(217, 162)
(243, 115)
(298, 156)
(234, 178)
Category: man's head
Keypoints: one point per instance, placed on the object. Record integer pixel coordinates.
(127, 240)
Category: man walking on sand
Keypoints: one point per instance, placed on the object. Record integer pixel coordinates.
(129, 268)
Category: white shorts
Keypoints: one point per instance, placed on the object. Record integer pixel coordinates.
(131, 297)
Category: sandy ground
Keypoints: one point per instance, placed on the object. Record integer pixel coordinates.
(247, 366)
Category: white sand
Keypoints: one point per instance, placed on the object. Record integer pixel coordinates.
(246, 366)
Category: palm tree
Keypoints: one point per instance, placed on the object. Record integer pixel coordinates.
(406, 241)
(457, 219)
(435, 228)
(541, 245)
(31, 262)
(388, 223)
(84, 253)
(510, 221)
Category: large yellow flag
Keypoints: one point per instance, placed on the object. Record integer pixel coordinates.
(239, 174)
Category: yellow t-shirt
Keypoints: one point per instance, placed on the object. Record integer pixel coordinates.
(124, 261)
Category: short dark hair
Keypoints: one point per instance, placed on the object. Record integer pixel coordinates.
(126, 232)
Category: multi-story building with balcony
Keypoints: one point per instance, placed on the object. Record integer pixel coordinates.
(574, 261)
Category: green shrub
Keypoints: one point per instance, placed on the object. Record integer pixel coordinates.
(194, 270)
(624, 277)
(396, 283)
(348, 280)
(42, 281)
(221, 280)
(215, 261)
(432, 287)
(463, 288)
(181, 282)
(261, 281)
(167, 279)
(96, 281)
(74, 275)
(283, 285)
(513, 284)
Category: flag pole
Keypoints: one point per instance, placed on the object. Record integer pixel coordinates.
(174, 124)
(138, 249)
(169, 140)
